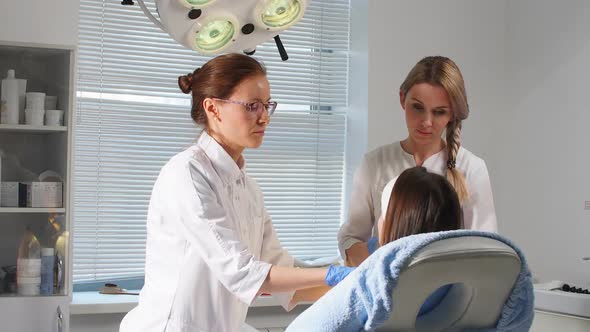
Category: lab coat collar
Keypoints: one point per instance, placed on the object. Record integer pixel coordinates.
(221, 160)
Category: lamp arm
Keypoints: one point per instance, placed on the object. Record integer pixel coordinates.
(149, 15)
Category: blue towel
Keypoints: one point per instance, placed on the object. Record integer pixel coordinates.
(363, 300)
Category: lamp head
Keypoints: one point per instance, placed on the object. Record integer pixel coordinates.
(220, 26)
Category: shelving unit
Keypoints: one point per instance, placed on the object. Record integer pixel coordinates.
(27, 152)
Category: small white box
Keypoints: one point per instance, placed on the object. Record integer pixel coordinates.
(45, 194)
(9, 194)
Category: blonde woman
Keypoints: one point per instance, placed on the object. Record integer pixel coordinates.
(435, 104)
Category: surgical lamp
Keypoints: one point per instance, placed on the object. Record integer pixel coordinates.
(215, 26)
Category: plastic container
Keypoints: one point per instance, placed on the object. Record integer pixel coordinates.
(54, 117)
(35, 101)
(28, 286)
(28, 265)
(47, 265)
(34, 117)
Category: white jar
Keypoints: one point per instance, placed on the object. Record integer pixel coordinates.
(54, 117)
(28, 276)
(28, 286)
(28, 267)
(35, 101)
(34, 117)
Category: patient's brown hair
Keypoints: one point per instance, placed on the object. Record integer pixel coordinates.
(420, 202)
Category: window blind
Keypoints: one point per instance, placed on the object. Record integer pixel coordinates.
(132, 118)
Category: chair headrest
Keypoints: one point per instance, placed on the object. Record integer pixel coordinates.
(462, 247)
(483, 270)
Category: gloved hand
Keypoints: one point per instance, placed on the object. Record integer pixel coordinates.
(336, 273)
(373, 244)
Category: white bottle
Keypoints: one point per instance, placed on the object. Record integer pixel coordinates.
(10, 101)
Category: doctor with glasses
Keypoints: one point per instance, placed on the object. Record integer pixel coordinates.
(211, 247)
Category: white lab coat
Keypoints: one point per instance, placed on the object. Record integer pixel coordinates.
(385, 163)
(210, 245)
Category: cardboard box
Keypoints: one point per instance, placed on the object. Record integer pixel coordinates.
(44, 194)
(9, 196)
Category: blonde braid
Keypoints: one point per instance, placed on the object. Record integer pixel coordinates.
(455, 177)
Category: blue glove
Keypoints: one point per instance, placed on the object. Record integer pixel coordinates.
(336, 273)
(373, 244)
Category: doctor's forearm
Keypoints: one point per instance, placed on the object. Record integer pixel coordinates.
(356, 254)
(284, 279)
(309, 294)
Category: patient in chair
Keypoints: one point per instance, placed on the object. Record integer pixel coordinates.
(420, 209)
(419, 202)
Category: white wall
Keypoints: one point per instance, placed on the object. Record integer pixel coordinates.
(471, 32)
(468, 31)
(36, 21)
(526, 68)
(544, 173)
(358, 93)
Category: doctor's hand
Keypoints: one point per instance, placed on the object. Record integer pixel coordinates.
(336, 273)
(373, 244)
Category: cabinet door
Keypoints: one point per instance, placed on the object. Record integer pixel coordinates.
(550, 322)
(35, 314)
(28, 150)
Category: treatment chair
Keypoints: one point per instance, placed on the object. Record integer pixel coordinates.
(483, 271)
(492, 288)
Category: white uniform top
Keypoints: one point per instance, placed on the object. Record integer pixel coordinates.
(385, 163)
(210, 245)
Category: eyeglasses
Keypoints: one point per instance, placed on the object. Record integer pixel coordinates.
(255, 107)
